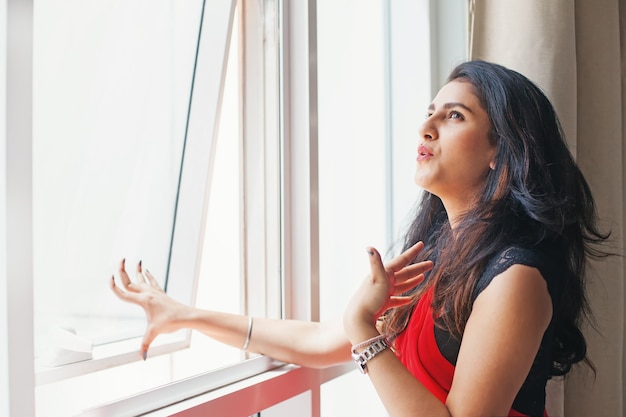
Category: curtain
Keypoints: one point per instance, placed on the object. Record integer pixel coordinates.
(576, 51)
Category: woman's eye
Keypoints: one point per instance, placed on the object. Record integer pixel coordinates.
(455, 115)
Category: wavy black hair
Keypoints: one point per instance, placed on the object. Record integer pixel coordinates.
(536, 196)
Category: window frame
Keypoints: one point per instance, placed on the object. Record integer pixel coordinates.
(16, 208)
(192, 199)
(260, 135)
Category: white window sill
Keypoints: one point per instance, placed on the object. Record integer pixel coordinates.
(109, 355)
(257, 393)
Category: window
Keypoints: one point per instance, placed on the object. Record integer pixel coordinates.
(376, 69)
(128, 161)
(284, 265)
(112, 87)
(352, 159)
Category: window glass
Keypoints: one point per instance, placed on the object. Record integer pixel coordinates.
(113, 85)
(147, 154)
(111, 91)
(352, 166)
(351, 146)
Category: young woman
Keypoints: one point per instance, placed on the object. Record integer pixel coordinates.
(476, 319)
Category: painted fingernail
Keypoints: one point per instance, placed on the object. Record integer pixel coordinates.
(371, 252)
(139, 264)
(144, 354)
(124, 261)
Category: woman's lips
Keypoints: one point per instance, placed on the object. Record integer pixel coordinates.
(423, 153)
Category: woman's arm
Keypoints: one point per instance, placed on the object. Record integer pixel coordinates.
(304, 343)
(500, 341)
(311, 344)
(400, 392)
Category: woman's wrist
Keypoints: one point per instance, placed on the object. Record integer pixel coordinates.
(359, 327)
(184, 316)
(365, 351)
(360, 335)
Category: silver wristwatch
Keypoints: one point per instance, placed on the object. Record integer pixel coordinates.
(369, 353)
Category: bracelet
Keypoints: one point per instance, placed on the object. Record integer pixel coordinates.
(247, 342)
(367, 342)
(373, 347)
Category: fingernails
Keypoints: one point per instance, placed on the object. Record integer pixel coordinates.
(140, 264)
(370, 252)
(124, 261)
(144, 354)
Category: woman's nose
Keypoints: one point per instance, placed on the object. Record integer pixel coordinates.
(427, 130)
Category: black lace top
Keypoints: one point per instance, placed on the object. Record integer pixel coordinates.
(530, 399)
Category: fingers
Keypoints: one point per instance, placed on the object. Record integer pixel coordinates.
(124, 295)
(146, 277)
(413, 270)
(401, 264)
(131, 290)
(402, 274)
(148, 338)
(376, 264)
(408, 284)
(126, 282)
(151, 280)
(405, 257)
(123, 275)
(411, 276)
(398, 301)
(139, 274)
(141, 277)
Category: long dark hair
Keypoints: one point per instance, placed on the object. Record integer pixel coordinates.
(536, 196)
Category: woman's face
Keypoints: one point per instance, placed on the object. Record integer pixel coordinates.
(454, 152)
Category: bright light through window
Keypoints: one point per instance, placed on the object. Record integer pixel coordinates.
(111, 91)
(117, 175)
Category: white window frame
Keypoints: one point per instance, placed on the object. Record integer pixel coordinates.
(300, 255)
(16, 211)
(186, 243)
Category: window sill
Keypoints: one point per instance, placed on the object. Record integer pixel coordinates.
(231, 383)
(110, 355)
(255, 394)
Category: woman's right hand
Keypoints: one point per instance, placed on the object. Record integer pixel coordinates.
(164, 314)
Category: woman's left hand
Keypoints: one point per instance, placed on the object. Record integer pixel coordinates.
(382, 289)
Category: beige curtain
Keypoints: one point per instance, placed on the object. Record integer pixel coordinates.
(576, 51)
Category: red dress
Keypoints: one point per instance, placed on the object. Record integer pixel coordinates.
(427, 364)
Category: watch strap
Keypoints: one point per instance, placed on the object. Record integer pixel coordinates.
(372, 349)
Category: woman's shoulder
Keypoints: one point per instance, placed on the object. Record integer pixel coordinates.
(537, 257)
